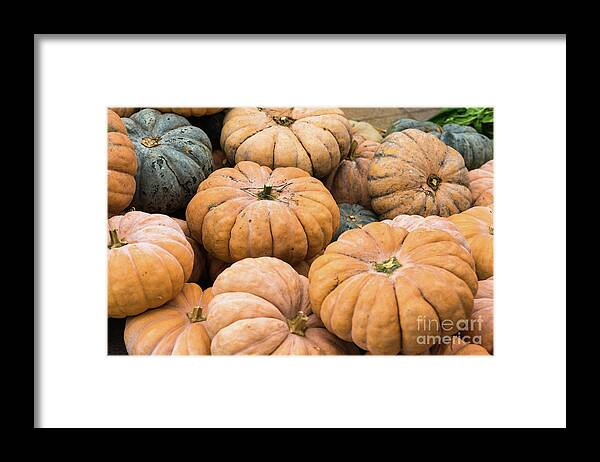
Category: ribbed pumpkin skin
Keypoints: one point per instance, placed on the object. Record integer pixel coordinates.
(486, 288)
(423, 125)
(151, 268)
(190, 111)
(366, 130)
(169, 172)
(481, 184)
(481, 323)
(348, 182)
(458, 347)
(168, 330)
(353, 216)
(391, 309)
(477, 226)
(254, 301)
(199, 267)
(232, 221)
(414, 173)
(475, 148)
(122, 165)
(413, 222)
(216, 267)
(312, 139)
(124, 111)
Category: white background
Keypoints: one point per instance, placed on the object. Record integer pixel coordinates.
(522, 385)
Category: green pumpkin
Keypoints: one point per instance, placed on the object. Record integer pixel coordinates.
(173, 157)
(353, 216)
(423, 125)
(475, 148)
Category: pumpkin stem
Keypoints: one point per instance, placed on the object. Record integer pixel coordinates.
(491, 229)
(151, 141)
(283, 120)
(266, 193)
(115, 242)
(388, 266)
(352, 152)
(434, 182)
(352, 218)
(196, 315)
(297, 325)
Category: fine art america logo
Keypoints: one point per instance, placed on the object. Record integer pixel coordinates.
(447, 331)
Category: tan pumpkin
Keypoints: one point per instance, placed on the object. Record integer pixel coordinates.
(348, 182)
(149, 260)
(458, 347)
(414, 173)
(392, 291)
(253, 211)
(477, 226)
(190, 111)
(176, 328)
(199, 267)
(412, 222)
(261, 307)
(366, 130)
(313, 139)
(124, 111)
(481, 184)
(122, 165)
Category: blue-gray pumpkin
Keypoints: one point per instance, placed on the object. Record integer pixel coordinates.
(173, 157)
(423, 125)
(475, 148)
(353, 216)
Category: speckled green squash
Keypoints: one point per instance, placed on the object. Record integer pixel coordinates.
(173, 157)
(423, 125)
(475, 148)
(353, 216)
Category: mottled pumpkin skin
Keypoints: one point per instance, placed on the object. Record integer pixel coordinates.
(413, 222)
(124, 111)
(414, 173)
(481, 184)
(348, 182)
(312, 139)
(423, 125)
(353, 216)
(387, 289)
(477, 226)
(475, 148)
(172, 329)
(122, 165)
(256, 303)
(366, 130)
(152, 266)
(233, 220)
(199, 267)
(190, 111)
(458, 347)
(173, 158)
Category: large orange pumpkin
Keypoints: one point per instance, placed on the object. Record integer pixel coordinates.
(253, 211)
(199, 267)
(477, 226)
(216, 267)
(149, 260)
(481, 184)
(261, 307)
(348, 182)
(414, 173)
(191, 111)
(313, 139)
(122, 165)
(176, 328)
(392, 291)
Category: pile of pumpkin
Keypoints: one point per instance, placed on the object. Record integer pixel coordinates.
(298, 232)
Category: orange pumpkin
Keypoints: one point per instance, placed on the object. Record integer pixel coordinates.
(414, 173)
(122, 165)
(176, 328)
(199, 253)
(348, 182)
(149, 260)
(190, 111)
(253, 211)
(124, 111)
(313, 139)
(477, 226)
(481, 324)
(481, 184)
(261, 307)
(366, 130)
(392, 291)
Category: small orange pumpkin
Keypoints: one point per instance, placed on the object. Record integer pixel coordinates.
(366, 130)
(122, 165)
(176, 328)
(482, 184)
